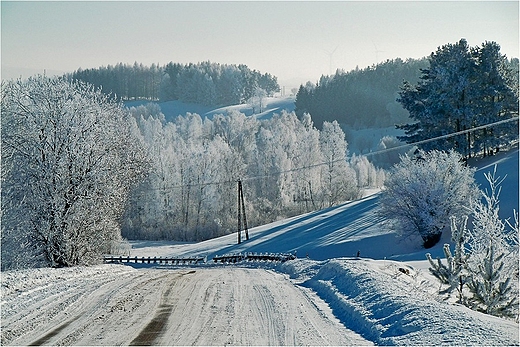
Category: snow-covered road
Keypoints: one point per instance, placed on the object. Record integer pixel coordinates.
(114, 305)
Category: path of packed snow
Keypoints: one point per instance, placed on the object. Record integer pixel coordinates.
(119, 305)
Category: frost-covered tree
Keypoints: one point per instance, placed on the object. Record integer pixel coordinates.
(463, 88)
(422, 193)
(339, 180)
(286, 165)
(70, 155)
(368, 176)
(492, 264)
(497, 98)
(486, 257)
(386, 152)
(307, 153)
(257, 101)
(453, 273)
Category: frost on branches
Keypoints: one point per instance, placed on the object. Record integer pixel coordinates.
(452, 273)
(69, 158)
(486, 257)
(492, 264)
(422, 193)
(286, 164)
(463, 88)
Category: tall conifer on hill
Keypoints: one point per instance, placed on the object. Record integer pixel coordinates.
(462, 89)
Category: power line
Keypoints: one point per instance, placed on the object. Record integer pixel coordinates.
(276, 173)
(462, 132)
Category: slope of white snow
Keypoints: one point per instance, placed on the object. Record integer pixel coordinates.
(330, 298)
(172, 109)
(340, 231)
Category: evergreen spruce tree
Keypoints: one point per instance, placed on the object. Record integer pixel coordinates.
(452, 273)
(462, 89)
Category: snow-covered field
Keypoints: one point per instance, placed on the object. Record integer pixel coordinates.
(327, 296)
(172, 109)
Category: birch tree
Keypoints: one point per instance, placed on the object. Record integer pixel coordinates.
(339, 180)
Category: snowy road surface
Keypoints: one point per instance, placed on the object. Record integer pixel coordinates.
(114, 305)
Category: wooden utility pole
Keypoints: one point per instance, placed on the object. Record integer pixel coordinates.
(241, 213)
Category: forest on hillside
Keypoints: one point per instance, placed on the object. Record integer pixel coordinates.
(365, 98)
(205, 83)
(77, 166)
(287, 166)
(360, 98)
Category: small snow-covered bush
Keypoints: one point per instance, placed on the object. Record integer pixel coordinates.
(421, 194)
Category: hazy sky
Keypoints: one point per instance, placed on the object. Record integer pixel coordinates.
(295, 41)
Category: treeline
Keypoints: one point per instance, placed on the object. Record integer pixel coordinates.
(213, 84)
(205, 83)
(286, 165)
(360, 98)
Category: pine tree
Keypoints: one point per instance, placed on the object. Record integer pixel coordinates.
(492, 261)
(463, 88)
(496, 98)
(452, 273)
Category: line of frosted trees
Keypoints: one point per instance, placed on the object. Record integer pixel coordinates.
(78, 169)
(287, 167)
(203, 83)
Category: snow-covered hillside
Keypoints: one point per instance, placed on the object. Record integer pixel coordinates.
(172, 109)
(340, 231)
(327, 296)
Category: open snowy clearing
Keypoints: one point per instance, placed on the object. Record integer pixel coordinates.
(172, 109)
(118, 305)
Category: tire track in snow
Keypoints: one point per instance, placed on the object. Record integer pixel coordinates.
(266, 307)
(35, 308)
(90, 304)
(156, 327)
(209, 306)
(114, 303)
(41, 341)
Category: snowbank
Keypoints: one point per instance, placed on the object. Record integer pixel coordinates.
(396, 307)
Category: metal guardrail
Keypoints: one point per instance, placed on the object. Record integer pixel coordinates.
(154, 260)
(227, 258)
(235, 258)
